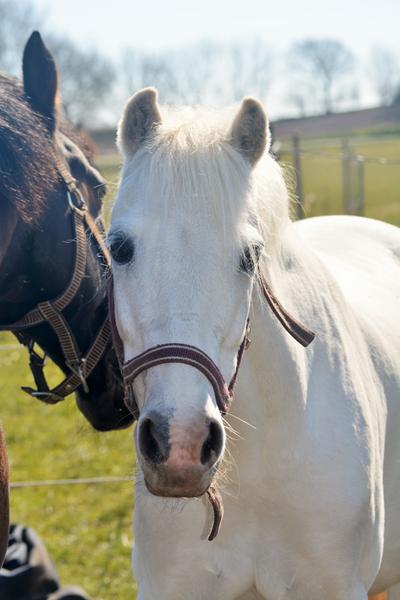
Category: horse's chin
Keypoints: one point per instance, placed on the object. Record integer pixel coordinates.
(104, 419)
(169, 487)
(171, 492)
(115, 424)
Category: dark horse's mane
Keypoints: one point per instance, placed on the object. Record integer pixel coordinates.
(27, 155)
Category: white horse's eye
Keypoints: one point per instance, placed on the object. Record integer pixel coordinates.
(249, 258)
(122, 249)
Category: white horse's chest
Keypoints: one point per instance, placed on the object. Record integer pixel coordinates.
(171, 560)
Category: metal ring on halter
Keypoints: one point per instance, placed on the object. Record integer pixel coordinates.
(76, 368)
(78, 209)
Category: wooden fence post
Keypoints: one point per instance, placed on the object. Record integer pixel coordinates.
(299, 181)
(345, 175)
(361, 186)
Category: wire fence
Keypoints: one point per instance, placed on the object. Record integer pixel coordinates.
(15, 485)
(349, 166)
(380, 160)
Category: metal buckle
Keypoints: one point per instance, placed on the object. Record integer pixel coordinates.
(35, 356)
(51, 397)
(77, 369)
(78, 209)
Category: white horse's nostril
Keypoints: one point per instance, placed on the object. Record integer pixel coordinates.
(213, 445)
(153, 439)
(177, 448)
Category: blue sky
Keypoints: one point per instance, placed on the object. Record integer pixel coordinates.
(114, 24)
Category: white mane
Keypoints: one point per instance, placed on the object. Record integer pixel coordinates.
(190, 162)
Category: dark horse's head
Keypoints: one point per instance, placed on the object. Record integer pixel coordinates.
(37, 247)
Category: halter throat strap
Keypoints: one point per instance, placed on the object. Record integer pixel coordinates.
(297, 330)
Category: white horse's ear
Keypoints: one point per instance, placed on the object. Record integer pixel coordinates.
(249, 133)
(140, 116)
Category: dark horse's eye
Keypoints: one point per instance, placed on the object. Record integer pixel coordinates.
(249, 258)
(122, 249)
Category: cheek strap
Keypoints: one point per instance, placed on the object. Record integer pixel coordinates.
(299, 332)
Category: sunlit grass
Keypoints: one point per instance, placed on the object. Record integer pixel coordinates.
(87, 528)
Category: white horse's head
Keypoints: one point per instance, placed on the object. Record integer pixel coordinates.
(185, 243)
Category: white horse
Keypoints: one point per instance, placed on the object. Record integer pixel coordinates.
(308, 459)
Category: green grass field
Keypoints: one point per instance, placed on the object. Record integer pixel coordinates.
(88, 528)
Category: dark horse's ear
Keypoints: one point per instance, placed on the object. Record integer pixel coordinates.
(40, 79)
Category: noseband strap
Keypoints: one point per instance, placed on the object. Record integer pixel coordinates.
(169, 354)
(181, 354)
(194, 357)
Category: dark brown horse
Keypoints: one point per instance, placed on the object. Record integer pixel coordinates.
(37, 238)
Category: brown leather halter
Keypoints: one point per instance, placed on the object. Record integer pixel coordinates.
(194, 357)
(51, 311)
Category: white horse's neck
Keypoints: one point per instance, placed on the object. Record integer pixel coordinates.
(280, 392)
(270, 398)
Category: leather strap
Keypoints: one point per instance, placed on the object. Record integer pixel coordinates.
(299, 332)
(74, 380)
(183, 354)
(215, 498)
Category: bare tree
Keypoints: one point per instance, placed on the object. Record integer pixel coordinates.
(130, 72)
(205, 73)
(86, 76)
(179, 75)
(17, 21)
(199, 68)
(141, 70)
(87, 80)
(324, 63)
(299, 100)
(384, 72)
(250, 69)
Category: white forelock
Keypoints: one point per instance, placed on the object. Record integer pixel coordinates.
(188, 165)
